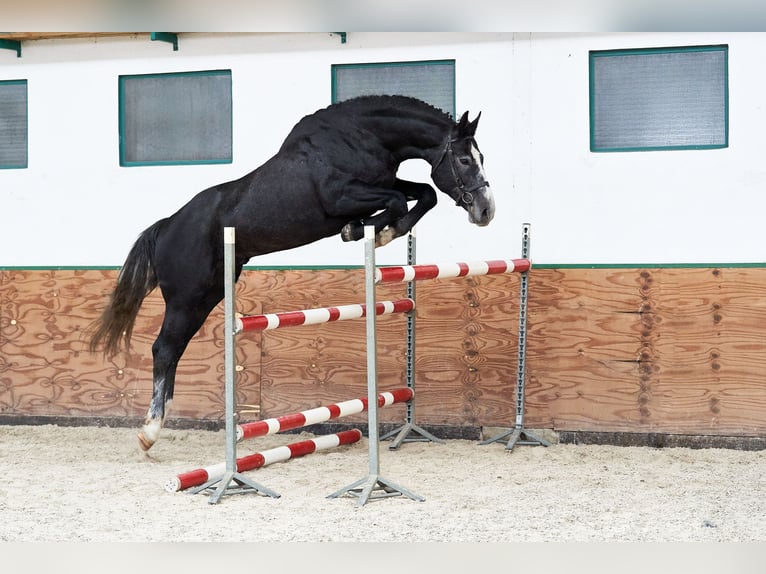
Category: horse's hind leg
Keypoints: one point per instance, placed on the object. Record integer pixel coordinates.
(179, 326)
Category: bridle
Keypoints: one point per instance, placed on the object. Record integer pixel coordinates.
(465, 193)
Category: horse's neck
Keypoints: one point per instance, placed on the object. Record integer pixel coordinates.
(412, 137)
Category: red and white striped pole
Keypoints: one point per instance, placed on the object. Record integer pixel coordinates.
(319, 414)
(323, 315)
(259, 459)
(441, 271)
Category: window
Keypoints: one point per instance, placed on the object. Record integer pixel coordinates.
(180, 118)
(659, 98)
(430, 81)
(13, 124)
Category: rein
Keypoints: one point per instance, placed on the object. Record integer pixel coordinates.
(465, 193)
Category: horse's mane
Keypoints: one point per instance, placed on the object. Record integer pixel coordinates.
(394, 101)
(393, 106)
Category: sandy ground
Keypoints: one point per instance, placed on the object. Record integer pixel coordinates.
(93, 484)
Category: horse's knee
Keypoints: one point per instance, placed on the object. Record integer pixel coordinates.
(397, 208)
(428, 198)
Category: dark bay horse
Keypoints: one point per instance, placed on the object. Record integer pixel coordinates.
(335, 173)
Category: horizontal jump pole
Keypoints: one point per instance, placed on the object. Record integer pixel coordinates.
(319, 414)
(316, 316)
(259, 459)
(446, 270)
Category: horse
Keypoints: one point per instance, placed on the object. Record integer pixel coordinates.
(335, 173)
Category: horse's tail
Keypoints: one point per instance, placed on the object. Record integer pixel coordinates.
(136, 280)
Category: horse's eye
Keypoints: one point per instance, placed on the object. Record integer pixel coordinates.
(465, 161)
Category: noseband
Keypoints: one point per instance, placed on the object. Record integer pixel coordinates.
(465, 193)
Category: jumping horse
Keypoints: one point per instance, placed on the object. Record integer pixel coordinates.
(334, 173)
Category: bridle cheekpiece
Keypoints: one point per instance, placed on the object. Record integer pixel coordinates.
(465, 194)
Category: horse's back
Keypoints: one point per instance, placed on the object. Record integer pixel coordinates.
(273, 208)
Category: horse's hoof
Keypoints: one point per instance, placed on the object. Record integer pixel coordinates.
(347, 233)
(385, 237)
(144, 442)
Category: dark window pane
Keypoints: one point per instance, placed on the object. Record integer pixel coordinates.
(176, 118)
(655, 99)
(13, 124)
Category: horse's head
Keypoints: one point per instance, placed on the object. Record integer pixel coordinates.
(459, 172)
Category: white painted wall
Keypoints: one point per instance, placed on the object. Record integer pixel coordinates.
(661, 207)
(75, 206)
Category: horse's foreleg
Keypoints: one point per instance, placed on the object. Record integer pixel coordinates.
(426, 200)
(363, 200)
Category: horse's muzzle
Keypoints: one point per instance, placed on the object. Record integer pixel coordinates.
(482, 209)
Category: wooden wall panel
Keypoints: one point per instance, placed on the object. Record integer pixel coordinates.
(584, 349)
(45, 368)
(648, 350)
(613, 350)
(466, 344)
(712, 350)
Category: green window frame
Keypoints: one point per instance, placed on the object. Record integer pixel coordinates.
(674, 98)
(177, 118)
(432, 81)
(14, 124)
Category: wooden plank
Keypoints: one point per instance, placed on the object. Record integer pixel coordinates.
(42, 346)
(711, 355)
(587, 348)
(607, 290)
(466, 342)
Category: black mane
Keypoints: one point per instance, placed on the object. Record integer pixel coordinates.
(394, 101)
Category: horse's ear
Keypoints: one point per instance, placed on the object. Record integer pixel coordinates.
(473, 125)
(462, 125)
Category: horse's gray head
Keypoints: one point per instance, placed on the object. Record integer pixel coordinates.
(459, 172)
